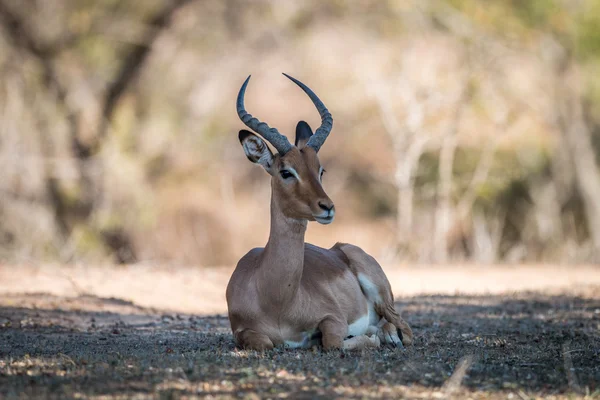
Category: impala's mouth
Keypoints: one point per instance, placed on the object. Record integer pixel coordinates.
(325, 219)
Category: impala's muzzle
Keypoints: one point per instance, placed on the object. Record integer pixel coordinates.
(327, 212)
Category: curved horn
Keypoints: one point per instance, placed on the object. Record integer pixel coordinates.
(279, 141)
(317, 140)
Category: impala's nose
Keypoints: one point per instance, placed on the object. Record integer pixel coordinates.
(325, 217)
(327, 206)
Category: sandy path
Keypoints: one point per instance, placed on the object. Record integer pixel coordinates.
(202, 290)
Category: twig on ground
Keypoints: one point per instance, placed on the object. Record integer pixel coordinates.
(454, 382)
(569, 369)
(67, 358)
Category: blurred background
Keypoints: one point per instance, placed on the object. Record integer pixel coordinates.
(465, 131)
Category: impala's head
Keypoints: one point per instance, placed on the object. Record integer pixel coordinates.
(295, 170)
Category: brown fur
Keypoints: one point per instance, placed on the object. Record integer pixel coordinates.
(300, 201)
(289, 287)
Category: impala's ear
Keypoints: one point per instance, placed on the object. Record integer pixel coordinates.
(256, 149)
(303, 133)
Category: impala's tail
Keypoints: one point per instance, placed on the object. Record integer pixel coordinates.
(376, 287)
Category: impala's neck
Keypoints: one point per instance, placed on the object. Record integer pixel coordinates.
(283, 258)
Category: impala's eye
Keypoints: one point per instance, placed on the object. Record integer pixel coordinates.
(285, 174)
(322, 172)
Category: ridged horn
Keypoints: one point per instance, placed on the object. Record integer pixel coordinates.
(317, 140)
(272, 135)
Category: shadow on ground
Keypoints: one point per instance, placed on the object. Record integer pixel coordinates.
(527, 344)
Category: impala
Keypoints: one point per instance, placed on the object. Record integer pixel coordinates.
(293, 293)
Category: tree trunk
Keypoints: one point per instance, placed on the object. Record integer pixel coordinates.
(569, 118)
(579, 141)
(443, 212)
(406, 164)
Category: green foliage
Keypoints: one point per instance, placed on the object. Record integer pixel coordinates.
(123, 125)
(88, 242)
(577, 25)
(535, 13)
(587, 32)
(511, 13)
(508, 168)
(499, 17)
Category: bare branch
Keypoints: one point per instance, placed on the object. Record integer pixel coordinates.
(23, 39)
(449, 144)
(134, 62)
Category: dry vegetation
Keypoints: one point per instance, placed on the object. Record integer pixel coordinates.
(472, 125)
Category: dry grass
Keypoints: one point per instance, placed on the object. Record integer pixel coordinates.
(521, 345)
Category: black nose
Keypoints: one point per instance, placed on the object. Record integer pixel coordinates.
(325, 206)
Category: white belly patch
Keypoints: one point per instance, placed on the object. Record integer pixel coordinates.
(359, 327)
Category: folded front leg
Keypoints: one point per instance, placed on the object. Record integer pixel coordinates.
(252, 340)
(334, 331)
(362, 342)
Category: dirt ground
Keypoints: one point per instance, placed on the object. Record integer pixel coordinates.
(521, 340)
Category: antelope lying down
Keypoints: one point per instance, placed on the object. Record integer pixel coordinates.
(293, 293)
